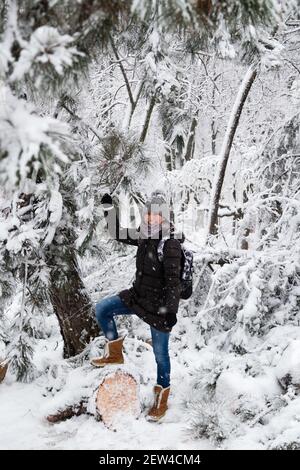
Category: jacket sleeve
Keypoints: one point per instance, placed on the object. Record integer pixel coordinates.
(172, 266)
(122, 234)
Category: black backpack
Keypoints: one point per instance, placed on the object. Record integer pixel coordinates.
(187, 269)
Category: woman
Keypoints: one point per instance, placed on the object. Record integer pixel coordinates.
(155, 293)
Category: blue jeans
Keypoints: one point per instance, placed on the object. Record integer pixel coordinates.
(107, 308)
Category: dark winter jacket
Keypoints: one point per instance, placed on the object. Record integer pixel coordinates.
(155, 293)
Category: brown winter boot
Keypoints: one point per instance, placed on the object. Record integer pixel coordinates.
(3, 370)
(112, 354)
(160, 405)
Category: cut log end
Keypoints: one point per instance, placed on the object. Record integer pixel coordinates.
(117, 397)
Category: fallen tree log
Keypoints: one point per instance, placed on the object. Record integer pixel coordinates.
(115, 396)
(67, 413)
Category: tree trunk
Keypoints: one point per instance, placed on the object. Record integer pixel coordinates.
(147, 119)
(169, 159)
(70, 301)
(68, 412)
(226, 147)
(191, 140)
(213, 124)
(136, 99)
(127, 84)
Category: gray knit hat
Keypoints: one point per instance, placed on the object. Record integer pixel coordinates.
(157, 197)
(157, 204)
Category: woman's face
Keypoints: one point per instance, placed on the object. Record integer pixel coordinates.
(153, 219)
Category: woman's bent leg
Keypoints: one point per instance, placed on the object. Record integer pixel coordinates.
(106, 309)
(105, 312)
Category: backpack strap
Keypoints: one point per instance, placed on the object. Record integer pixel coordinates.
(161, 244)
